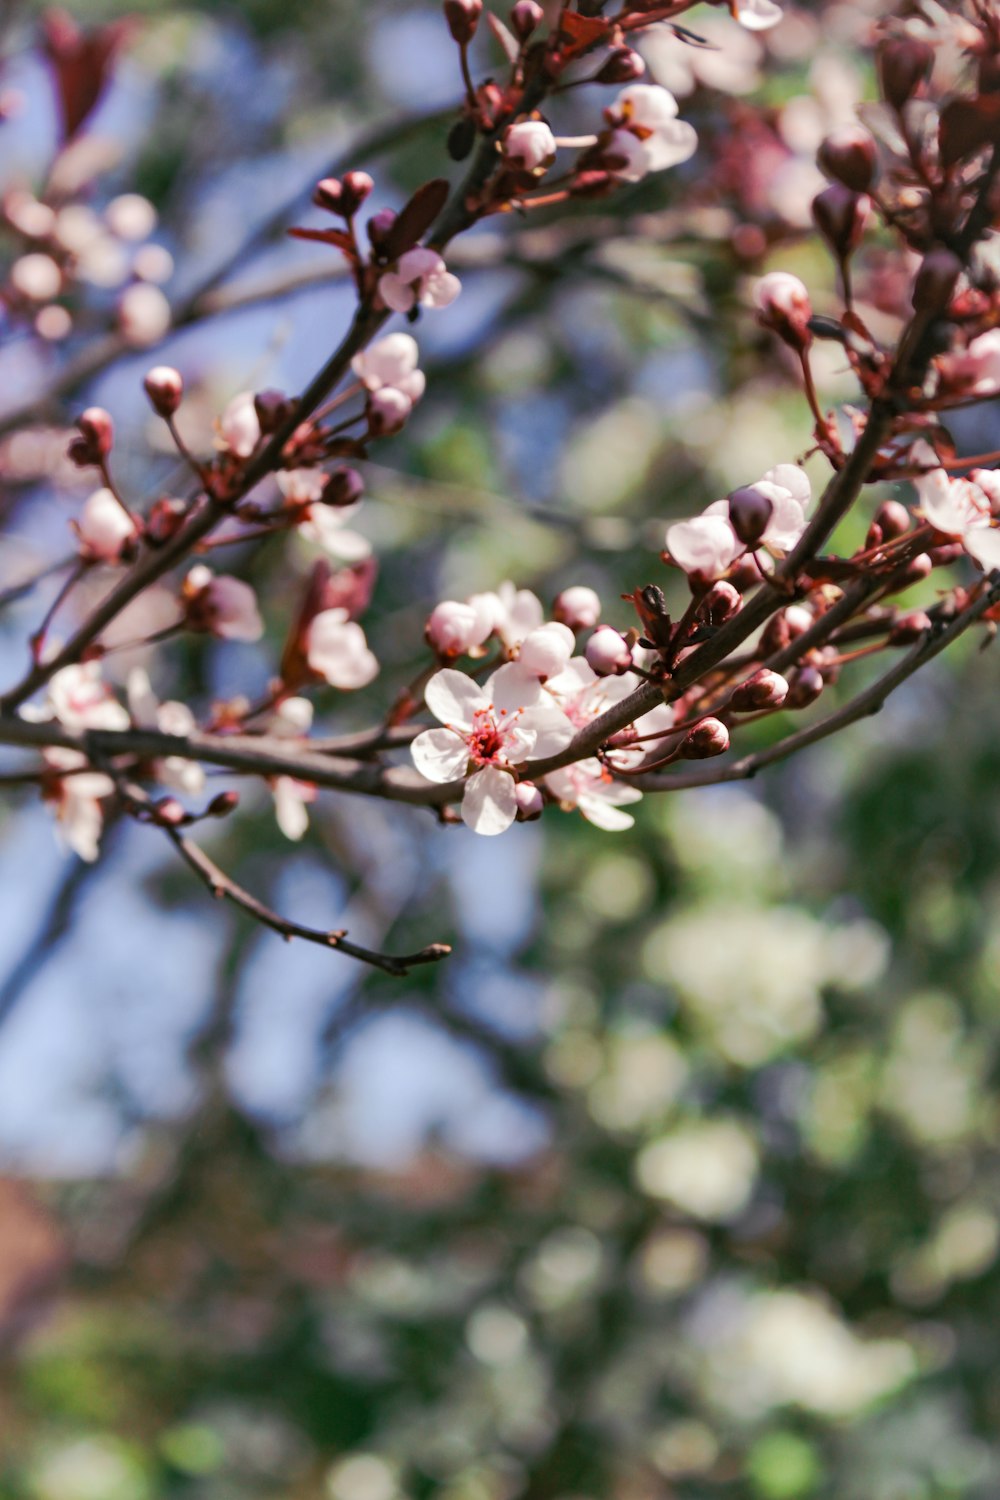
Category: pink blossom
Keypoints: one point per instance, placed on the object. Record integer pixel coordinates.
(292, 719)
(489, 730)
(105, 531)
(607, 652)
(337, 651)
(784, 306)
(529, 145)
(391, 361)
(170, 717)
(36, 277)
(647, 136)
(388, 410)
(239, 426)
(965, 508)
(75, 798)
(976, 372)
(225, 607)
(420, 277)
(80, 699)
(578, 607)
(454, 628)
(321, 523)
(594, 792)
(708, 546)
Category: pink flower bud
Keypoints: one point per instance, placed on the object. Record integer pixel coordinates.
(530, 801)
(529, 145)
(224, 607)
(608, 653)
(453, 628)
(97, 437)
(344, 487)
(784, 307)
(720, 603)
(804, 688)
(909, 628)
(355, 188)
(545, 651)
(165, 519)
(622, 66)
(143, 315)
(892, 519)
(462, 17)
(848, 155)
(525, 18)
(222, 805)
(165, 390)
(710, 737)
(388, 410)
(765, 689)
(106, 533)
(578, 607)
(750, 512)
(329, 194)
(36, 277)
(379, 227)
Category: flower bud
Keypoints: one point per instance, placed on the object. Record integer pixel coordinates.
(750, 513)
(329, 195)
(916, 570)
(452, 628)
(607, 652)
(388, 410)
(462, 17)
(97, 431)
(577, 607)
(545, 651)
(165, 390)
(848, 155)
(343, 488)
(355, 187)
(784, 307)
(170, 812)
(710, 737)
(165, 519)
(892, 520)
(622, 66)
(273, 410)
(222, 805)
(909, 628)
(903, 64)
(935, 281)
(765, 689)
(721, 602)
(530, 801)
(379, 227)
(804, 688)
(525, 18)
(840, 215)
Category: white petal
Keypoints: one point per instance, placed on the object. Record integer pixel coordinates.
(604, 814)
(983, 543)
(552, 730)
(454, 698)
(489, 805)
(706, 544)
(440, 754)
(290, 808)
(758, 15)
(511, 687)
(943, 503)
(670, 144)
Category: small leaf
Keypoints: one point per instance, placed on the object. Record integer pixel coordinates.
(583, 32)
(417, 217)
(966, 126)
(339, 238)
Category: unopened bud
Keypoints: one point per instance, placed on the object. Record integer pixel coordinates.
(577, 607)
(165, 390)
(909, 628)
(355, 187)
(452, 628)
(530, 801)
(848, 155)
(222, 805)
(622, 66)
(784, 307)
(344, 487)
(935, 281)
(463, 18)
(608, 653)
(388, 410)
(379, 227)
(329, 195)
(171, 812)
(946, 554)
(916, 570)
(710, 737)
(840, 216)
(765, 689)
(804, 688)
(525, 18)
(720, 603)
(273, 410)
(165, 519)
(750, 513)
(903, 64)
(892, 520)
(98, 432)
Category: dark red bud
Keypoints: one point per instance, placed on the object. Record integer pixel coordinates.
(623, 65)
(804, 688)
(849, 156)
(903, 65)
(165, 519)
(379, 228)
(916, 570)
(170, 812)
(909, 628)
(354, 189)
(720, 603)
(273, 410)
(344, 487)
(97, 431)
(463, 18)
(222, 805)
(750, 512)
(165, 390)
(840, 216)
(329, 195)
(892, 520)
(710, 737)
(946, 554)
(765, 689)
(525, 18)
(935, 281)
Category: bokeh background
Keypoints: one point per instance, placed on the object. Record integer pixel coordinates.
(680, 1178)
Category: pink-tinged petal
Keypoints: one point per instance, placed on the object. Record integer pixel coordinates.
(630, 156)
(440, 755)
(418, 263)
(290, 807)
(646, 104)
(791, 478)
(523, 613)
(454, 698)
(671, 144)
(337, 651)
(518, 742)
(605, 814)
(575, 678)
(512, 687)
(788, 519)
(983, 543)
(551, 728)
(942, 502)
(440, 290)
(395, 293)
(706, 544)
(489, 805)
(389, 361)
(323, 526)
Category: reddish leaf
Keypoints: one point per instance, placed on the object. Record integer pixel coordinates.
(81, 63)
(583, 32)
(339, 238)
(413, 221)
(966, 126)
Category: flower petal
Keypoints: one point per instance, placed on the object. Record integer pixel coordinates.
(512, 686)
(489, 805)
(454, 698)
(604, 814)
(440, 754)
